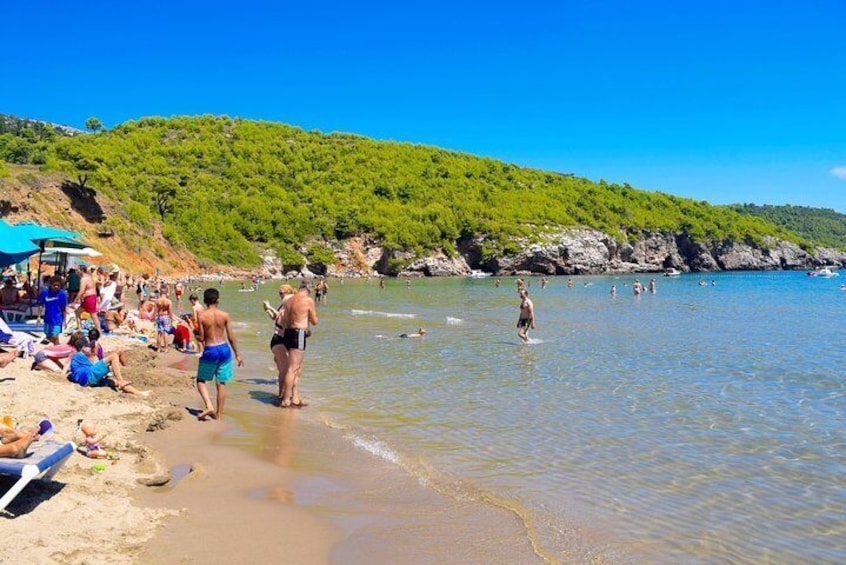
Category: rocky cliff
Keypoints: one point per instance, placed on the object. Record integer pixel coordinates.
(583, 251)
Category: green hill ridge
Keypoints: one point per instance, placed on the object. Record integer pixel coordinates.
(219, 186)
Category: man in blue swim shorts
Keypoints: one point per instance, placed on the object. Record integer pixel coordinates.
(215, 333)
(55, 301)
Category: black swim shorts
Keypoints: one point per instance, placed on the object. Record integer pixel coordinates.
(295, 338)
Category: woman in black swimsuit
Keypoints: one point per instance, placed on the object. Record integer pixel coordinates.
(277, 345)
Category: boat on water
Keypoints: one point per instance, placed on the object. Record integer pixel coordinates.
(476, 274)
(671, 272)
(825, 272)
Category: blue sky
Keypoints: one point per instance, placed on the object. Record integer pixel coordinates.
(724, 101)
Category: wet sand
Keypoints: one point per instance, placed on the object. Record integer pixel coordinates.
(279, 483)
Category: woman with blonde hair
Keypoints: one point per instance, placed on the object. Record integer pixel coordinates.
(277, 347)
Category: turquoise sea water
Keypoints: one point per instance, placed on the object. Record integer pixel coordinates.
(700, 424)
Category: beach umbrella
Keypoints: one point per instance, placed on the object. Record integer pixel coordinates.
(65, 256)
(43, 236)
(14, 247)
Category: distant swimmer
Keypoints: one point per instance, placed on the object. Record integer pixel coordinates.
(526, 321)
(652, 288)
(498, 283)
(613, 290)
(420, 333)
(382, 283)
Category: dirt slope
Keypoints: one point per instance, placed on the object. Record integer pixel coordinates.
(30, 195)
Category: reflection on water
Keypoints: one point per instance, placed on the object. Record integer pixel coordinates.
(699, 424)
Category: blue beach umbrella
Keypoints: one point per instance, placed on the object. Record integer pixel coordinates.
(14, 247)
(43, 236)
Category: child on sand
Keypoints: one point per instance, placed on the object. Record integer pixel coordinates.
(92, 443)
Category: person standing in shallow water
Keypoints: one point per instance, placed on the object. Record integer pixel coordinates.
(526, 321)
(299, 313)
(277, 341)
(215, 333)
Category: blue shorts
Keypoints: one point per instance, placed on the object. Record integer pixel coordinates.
(51, 330)
(215, 363)
(96, 375)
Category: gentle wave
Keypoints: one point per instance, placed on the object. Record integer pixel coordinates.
(457, 489)
(454, 321)
(377, 313)
(377, 448)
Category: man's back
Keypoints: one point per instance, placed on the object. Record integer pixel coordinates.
(214, 324)
(299, 311)
(163, 306)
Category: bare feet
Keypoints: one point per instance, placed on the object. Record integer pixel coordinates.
(206, 413)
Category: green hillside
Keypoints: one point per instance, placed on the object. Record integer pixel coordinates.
(219, 185)
(820, 225)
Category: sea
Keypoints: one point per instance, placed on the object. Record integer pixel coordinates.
(702, 423)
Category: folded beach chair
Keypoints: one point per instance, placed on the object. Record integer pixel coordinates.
(45, 458)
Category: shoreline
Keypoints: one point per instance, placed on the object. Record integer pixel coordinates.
(209, 495)
(263, 482)
(271, 481)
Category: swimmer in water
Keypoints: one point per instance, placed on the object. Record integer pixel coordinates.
(420, 333)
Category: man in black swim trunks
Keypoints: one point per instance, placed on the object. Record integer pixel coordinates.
(299, 313)
(526, 320)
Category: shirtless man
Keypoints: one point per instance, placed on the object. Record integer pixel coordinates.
(215, 333)
(164, 320)
(86, 298)
(299, 313)
(178, 289)
(526, 320)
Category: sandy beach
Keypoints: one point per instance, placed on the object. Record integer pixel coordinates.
(100, 511)
(86, 515)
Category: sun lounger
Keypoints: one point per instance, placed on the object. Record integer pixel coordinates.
(45, 458)
(24, 338)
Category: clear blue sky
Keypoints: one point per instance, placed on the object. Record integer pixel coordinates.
(724, 101)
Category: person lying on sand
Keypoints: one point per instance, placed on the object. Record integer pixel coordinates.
(86, 370)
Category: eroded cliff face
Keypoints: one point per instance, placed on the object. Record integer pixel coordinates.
(584, 251)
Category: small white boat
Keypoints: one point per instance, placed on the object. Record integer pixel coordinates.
(671, 272)
(825, 272)
(476, 274)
